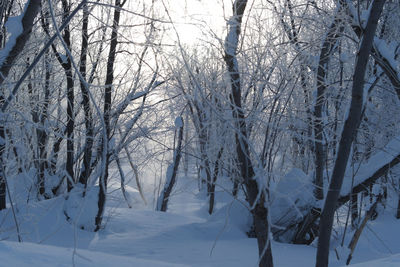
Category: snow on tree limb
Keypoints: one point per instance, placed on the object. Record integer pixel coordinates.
(37, 58)
(383, 53)
(20, 31)
(376, 167)
(348, 135)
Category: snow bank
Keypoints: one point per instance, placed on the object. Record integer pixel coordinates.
(392, 261)
(292, 198)
(367, 169)
(81, 210)
(28, 254)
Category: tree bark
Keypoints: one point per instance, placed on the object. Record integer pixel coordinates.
(39, 116)
(319, 147)
(362, 187)
(304, 142)
(197, 112)
(172, 171)
(365, 185)
(107, 111)
(358, 232)
(66, 64)
(32, 9)
(256, 196)
(354, 209)
(89, 135)
(398, 203)
(70, 103)
(389, 70)
(214, 180)
(329, 43)
(348, 134)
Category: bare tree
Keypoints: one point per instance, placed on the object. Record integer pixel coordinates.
(348, 134)
(107, 110)
(329, 43)
(89, 134)
(12, 49)
(172, 171)
(256, 196)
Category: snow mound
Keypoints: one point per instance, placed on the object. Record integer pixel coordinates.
(81, 210)
(28, 254)
(392, 261)
(236, 214)
(292, 198)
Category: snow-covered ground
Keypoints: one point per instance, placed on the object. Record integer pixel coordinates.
(184, 236)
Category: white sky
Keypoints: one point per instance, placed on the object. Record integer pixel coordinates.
(192, 17)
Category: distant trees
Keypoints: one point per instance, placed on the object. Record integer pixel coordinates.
(65, 149)
(268, 97)
(289, 98)
(328, 53)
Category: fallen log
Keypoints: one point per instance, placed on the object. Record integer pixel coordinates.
(363, 186)
(358, 232)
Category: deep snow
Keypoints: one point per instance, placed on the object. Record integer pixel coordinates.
(184, 236)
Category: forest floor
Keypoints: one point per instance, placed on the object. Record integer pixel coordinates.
(184, 236)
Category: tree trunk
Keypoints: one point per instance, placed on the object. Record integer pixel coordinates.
(87, 156)
(304, 142)
(365, 185)
(256, 200)
(31, 10)
(398, 204)
(70, 129)
(199, 120)
(330, 42)
(107, 110)
(214, 180)
(389, 70)
(42, 134)
(354, 209)
(358, 232)
(66, 64)
(348, 134)
(319, 147)
(70, 103)
(162, 203)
